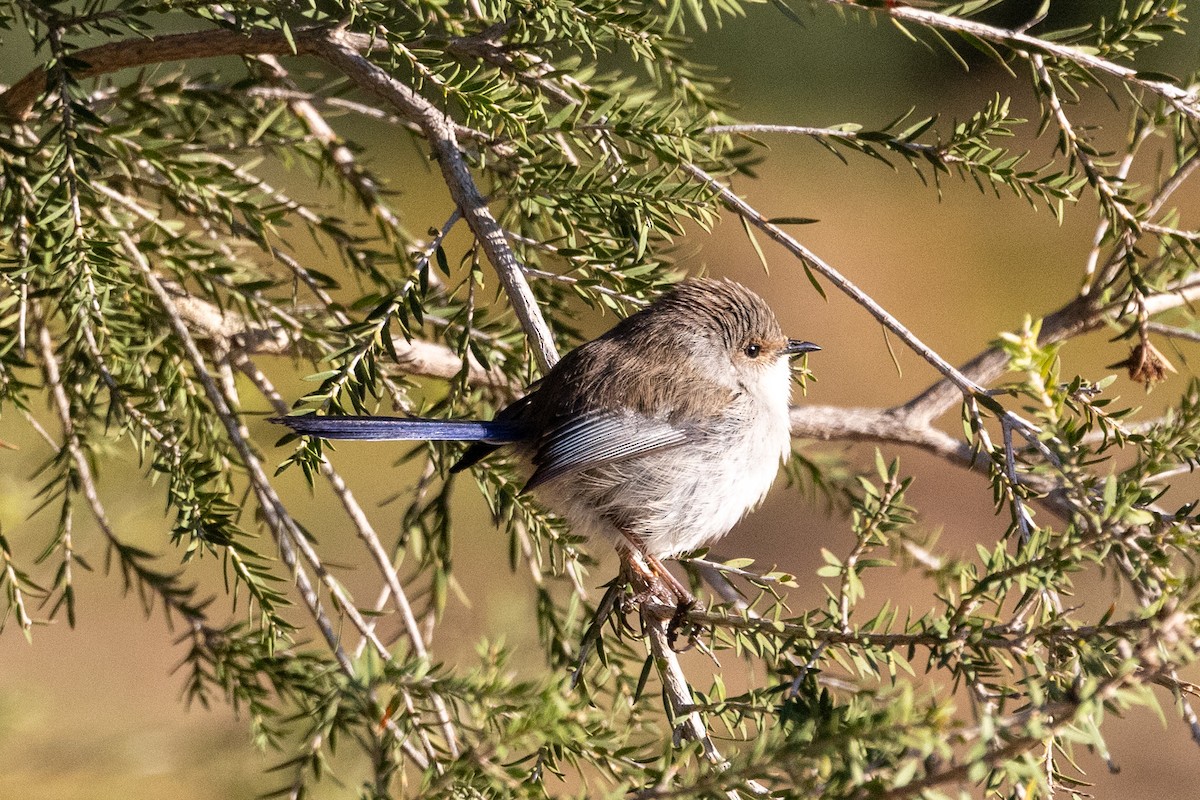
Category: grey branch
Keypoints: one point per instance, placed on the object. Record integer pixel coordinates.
(1183, 100)
(415, 357)
(813, 261)
(439, 130)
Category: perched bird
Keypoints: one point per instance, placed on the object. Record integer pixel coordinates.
(659, 435)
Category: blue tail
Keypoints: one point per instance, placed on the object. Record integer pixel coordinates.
(405, 428)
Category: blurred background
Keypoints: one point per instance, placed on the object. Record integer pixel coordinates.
(97, 711)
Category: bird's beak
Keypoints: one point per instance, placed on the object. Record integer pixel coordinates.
(796, 347)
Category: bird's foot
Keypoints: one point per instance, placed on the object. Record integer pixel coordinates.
(648, 601)
(653, 585)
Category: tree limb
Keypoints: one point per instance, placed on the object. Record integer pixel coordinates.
(1183, 100)
(440, 133)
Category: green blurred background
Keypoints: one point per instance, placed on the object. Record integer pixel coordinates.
(97, 712)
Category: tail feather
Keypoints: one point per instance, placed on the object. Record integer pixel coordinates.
(402, 428)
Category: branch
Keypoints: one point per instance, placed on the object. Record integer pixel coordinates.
(1120, 175)
(1076, 149)
(366, 532)
(414, 357)
(364, 186)
(174, 596)
(1183, 100)
(18, 100)
(342, 49)
(937, 153)
(679, 695)
(893, 425)
(813, 261)
(439, 130)
(287, 534)
(1045, 722)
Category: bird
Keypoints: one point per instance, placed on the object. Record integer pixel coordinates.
(659, 435)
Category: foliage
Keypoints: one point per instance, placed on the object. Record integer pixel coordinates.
(145, 275)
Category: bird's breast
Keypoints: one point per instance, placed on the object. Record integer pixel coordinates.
(684, 497)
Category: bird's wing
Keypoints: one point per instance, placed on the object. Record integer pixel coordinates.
(602, 438)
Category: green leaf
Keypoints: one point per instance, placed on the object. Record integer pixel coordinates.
(762, 259)
(792, 220)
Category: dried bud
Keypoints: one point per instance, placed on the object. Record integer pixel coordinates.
(1146, 365)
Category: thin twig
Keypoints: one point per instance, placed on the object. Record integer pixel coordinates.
(847, 287)
(366, 532)
(1120, 175)
(1074, 149)
(1183, 100)
(938, 153)
(342, 157)
(287, 535)
(1173, 332)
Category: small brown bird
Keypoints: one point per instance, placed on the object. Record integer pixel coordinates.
(659, 435)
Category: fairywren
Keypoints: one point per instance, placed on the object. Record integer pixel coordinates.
(660, 435)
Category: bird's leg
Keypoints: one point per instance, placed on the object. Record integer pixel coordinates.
(649, 577)
(651, 580)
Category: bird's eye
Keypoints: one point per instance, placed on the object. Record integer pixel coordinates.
(752, 350)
